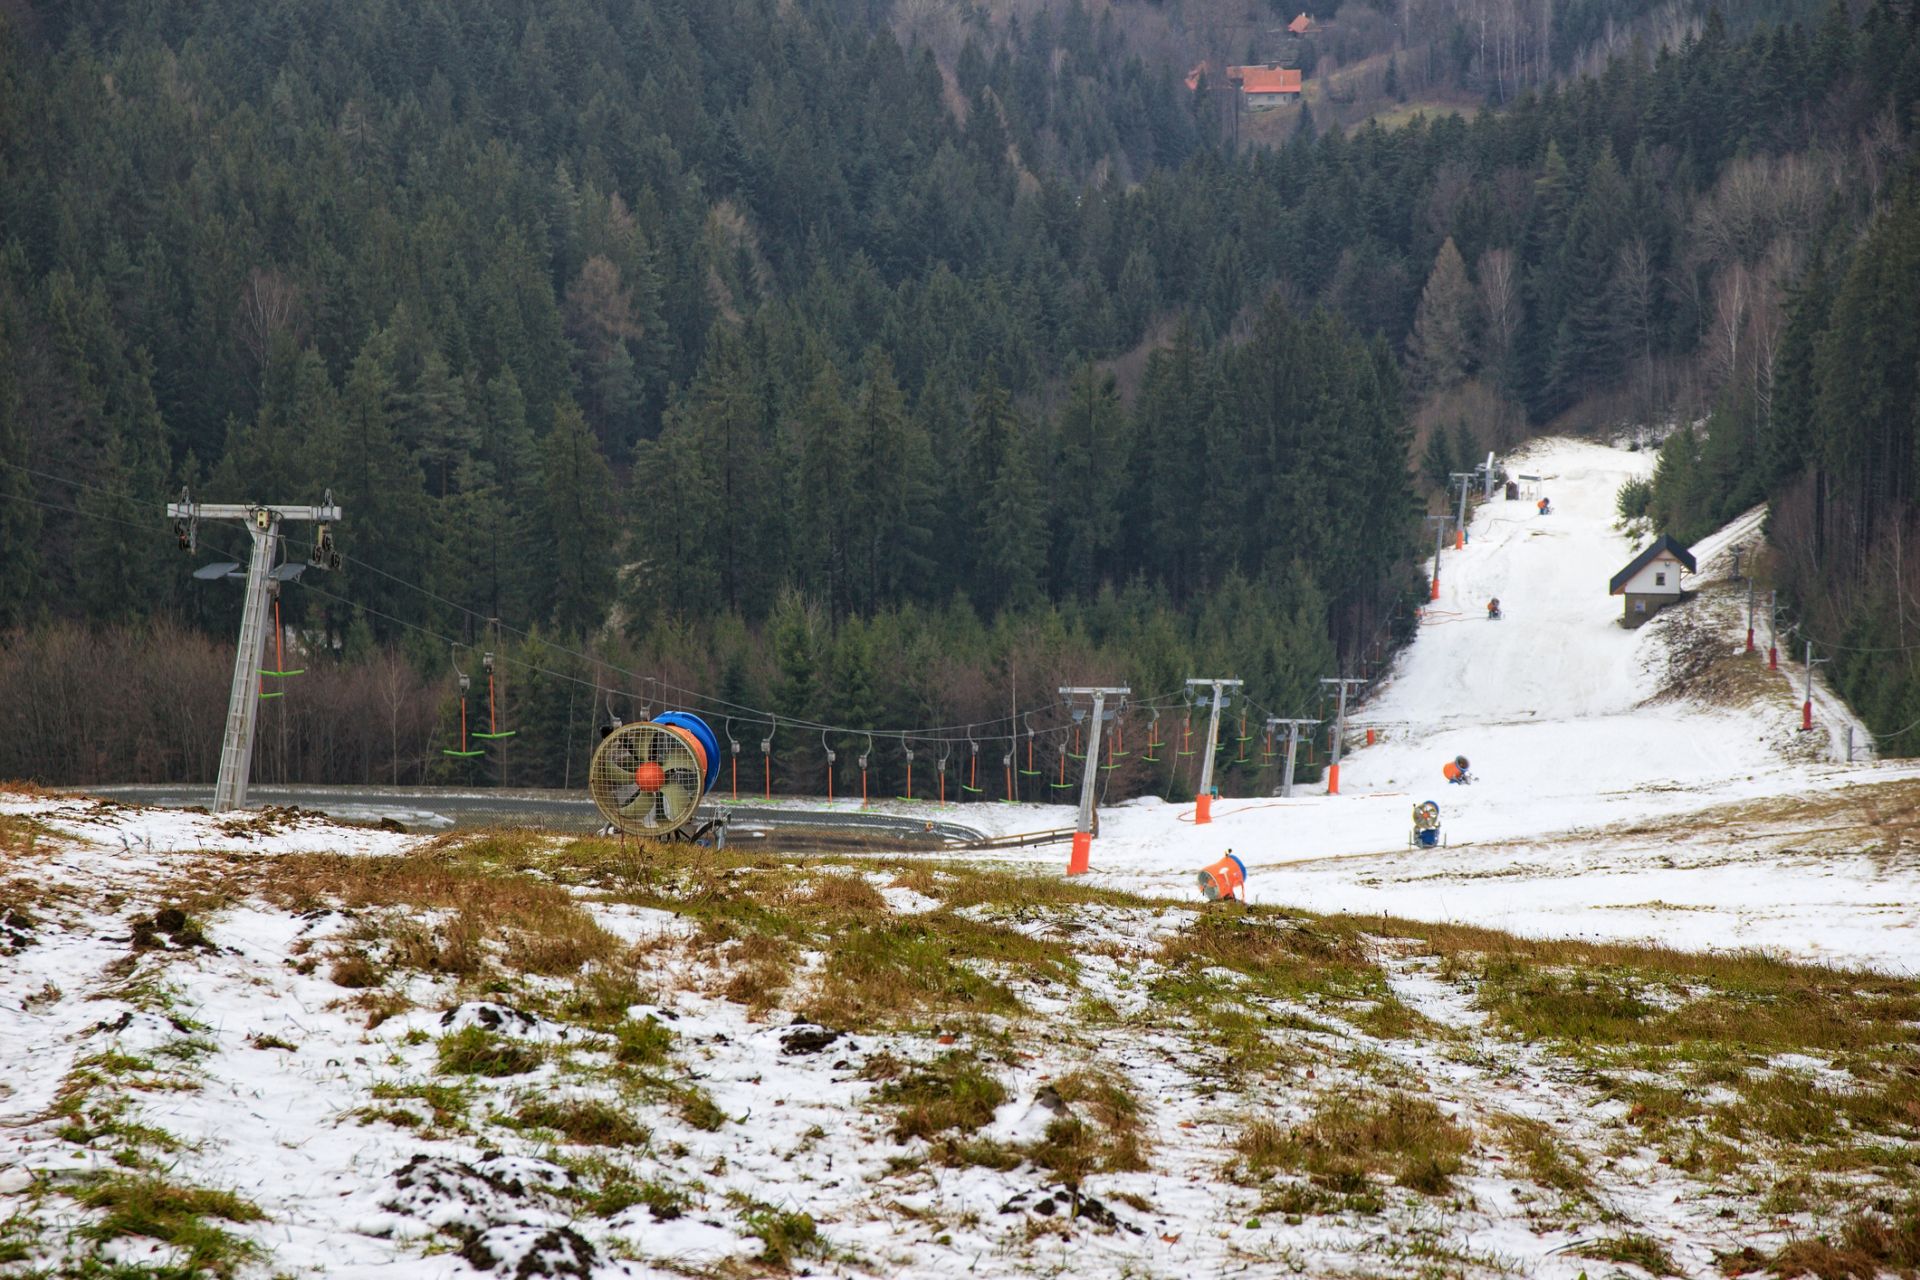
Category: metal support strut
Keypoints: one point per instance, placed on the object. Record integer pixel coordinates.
(1078, 861)
(262, 522)
(1340, 729)
(1203, 798)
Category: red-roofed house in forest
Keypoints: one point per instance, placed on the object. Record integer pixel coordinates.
(1300, 25)
(1266, 86)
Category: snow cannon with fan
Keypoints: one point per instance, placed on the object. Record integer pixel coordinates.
(648, 778)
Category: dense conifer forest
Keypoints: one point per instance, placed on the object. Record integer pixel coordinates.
(760, 350)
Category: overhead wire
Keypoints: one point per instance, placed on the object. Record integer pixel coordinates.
(748, 714)
(754, 715)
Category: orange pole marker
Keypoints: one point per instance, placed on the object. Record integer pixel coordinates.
(1436, 584)
(1369, 737)
(1202, 808)
(1078, 862)
(1333, 779)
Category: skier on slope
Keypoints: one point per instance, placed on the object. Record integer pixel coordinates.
(1546, 508)
(1493, 609)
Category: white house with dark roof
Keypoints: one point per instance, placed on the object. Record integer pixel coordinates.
(1651, 581)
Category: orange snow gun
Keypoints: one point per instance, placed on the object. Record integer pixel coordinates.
(1224, 878)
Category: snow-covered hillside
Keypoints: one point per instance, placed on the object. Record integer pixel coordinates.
(1591, 770)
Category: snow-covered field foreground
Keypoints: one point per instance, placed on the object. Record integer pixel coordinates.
(280, 1046)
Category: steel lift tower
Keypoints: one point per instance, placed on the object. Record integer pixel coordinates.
(262, 521)
(1078, 862)
(1203, 798)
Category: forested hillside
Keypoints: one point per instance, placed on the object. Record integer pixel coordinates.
(762, 350)
(1836, 447)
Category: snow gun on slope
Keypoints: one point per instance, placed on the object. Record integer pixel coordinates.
(648, 778)
(1426, 825)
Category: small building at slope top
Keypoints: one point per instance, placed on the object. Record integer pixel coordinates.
(1266, 86)
(1300, 26)
(1651, 581)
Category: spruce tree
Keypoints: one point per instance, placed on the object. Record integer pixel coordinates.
(1088, 478)
(892, 489)
(1442, 324)
(575, 526)
(19, 517)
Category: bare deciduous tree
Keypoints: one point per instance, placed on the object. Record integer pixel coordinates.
(1499, 288)
(269, 305)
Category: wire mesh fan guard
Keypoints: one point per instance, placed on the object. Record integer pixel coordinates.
(642, 800)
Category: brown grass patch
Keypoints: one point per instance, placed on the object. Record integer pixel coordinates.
(954, 1092)
(759, 967)
(1114, 1141)
(21, 835)
(354, 971)
(897, 971)
(1869, 1244)
(1542, 1156)
(1400, 1136)
(529, 925)
(846, 895)
(582, 1120)
(1597, 993)
(1283, 954)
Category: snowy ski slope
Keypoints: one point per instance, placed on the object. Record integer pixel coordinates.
(1551, 705)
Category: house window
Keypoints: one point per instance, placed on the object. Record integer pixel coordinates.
(1639, 606)
(1660, 579)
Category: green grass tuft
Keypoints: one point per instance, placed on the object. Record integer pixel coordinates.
(1639, 1250)
(583, 1120)
(176, 1215)
(475, 1051)
(953, 1092)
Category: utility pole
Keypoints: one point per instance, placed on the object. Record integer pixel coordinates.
(1736, 574)
(1439, 524)
(1339, 731)
(1773, 630)
(1203, 798)
(1487, 493)
(263, 522)
(1293, 747)
(1806, 707)
(1077, 862)
(1460, 526)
